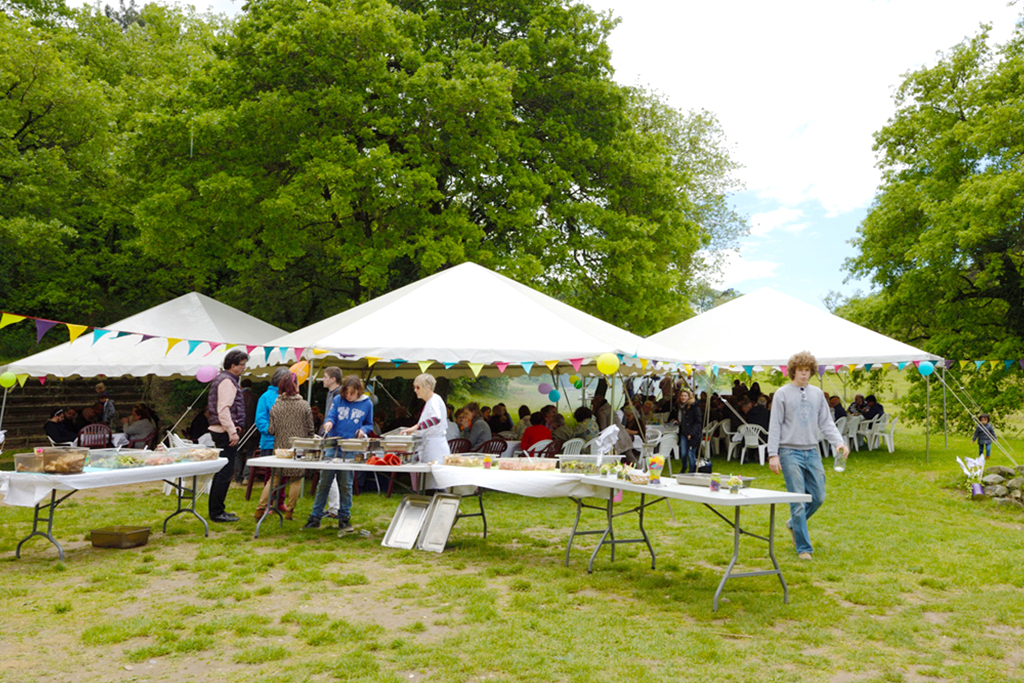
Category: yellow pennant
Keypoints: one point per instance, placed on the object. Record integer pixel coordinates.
(22, 379)
(552, 364)
(370, 361)
(476, 368)
(171, 343)
(424, 364)
(688, 368)
(227, 347)
(318, 352)
(9, 319)
(886, 366)
(994, 363)
(643, 363)
(74, 331)
(964, 364)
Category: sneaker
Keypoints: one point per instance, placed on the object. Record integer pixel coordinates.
(312, 524)
(344, 527)
(805, 556)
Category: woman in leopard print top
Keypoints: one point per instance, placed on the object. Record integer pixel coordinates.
(290, 417)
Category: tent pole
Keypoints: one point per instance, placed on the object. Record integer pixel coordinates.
(945, 424)
(309, 389)
(927, 411)
(3, 408)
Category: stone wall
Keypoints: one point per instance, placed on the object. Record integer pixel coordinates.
(1004, 485)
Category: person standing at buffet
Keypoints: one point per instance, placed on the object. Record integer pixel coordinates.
(350, 417)
(227, 415)
(289, 418)
(433, 424)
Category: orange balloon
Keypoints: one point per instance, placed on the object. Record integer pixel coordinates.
(301, 371)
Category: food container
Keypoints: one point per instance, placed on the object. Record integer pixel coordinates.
(28, 462)
(120, 536)
(586, 464)
(464, 460)
(704, 480)
(527, 464)
(353, 445)
(305, 444)
(59, 460)
(153, 459)
(309, 454)
(329, 442)
(399, 443)
(103, 458)
(129, 459)
(286, 453)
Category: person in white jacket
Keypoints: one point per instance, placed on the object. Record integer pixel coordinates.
(433, 424)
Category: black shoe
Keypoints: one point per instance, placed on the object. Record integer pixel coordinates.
(224, 517)
(312, 524)
(345, 527)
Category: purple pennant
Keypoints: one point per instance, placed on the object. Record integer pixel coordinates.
(42, 327)
(147, 336)
(821, 370)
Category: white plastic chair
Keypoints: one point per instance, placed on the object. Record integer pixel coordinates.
(850, 433)
(888, 435)
(867, 429)
(752, 437)
(588, 447)
(707, 439)
(653, 433)
(536, 448)
(668, 446)
(572, 447)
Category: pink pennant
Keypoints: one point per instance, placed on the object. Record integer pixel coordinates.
(213, 347)
(249, 348)
(917, 364)
(501, 367)
(42, 327)
(299, 350)
(42, 380)
(576, 363)
(783, 369)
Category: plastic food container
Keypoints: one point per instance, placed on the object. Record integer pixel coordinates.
(527, 464)
(28, 462)
(120, 536)
(464, 460)
(63, 460)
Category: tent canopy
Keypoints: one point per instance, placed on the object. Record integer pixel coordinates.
(766, 327)
(502, 321)
(191, 317)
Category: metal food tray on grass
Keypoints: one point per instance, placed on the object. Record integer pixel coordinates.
(700, 479)
(407, 523)
(441, 516)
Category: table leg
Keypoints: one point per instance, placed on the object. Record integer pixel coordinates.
(185, 493)
(771, 554)
(48, 518)
(271, 499)
(735, 555)
(643, 531)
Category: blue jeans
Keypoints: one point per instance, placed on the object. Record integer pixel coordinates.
(804, 473)
(985, 449)
(688, 452)
(323, 489)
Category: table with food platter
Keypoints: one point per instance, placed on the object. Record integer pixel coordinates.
(39, 475)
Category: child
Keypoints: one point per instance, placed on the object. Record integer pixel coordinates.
(984, 434)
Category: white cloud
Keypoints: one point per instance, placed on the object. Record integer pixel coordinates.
(735, 269)
(761, 224)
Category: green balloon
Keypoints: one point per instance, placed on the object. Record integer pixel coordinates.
(7, 380)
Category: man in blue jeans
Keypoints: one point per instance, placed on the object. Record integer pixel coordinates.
(799, 413)
(350, 416)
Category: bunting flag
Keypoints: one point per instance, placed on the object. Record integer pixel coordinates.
(476, 368)
(231, 346)
(964, 364)
(75, 331)
(370, 361)
(901, 365)
(868, 366)
(1009, 364)
(714, 370)
(749, 369)
(299, 350)
(424, 364)
(216, 345)
(284, 353)
(501, 367)
(577, 362)
(193, 345)
(552, 364)
(147, 337)
(527, 367)
(687, 368)
(783, 369)
(994, 364)
(448, 366)
(978, 364)
(42, 327)
(643, 363)
(123, 334)
(42, 381)
(398, 362)
(249, 348)
(9, 319)
(98, 334)
(22, 379)
(917, 364)
(171, 343)
(318, 352)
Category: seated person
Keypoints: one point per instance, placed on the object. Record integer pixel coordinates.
(524, 422)
(140, 425)
(560, 430)
(500, 421)
(454, 424)
(89, 415)
(837, 408)
(73, 421)
(537, 431)
(857, 407)
(476, 428)
(586, 424)
(57, 430)
(873, 408)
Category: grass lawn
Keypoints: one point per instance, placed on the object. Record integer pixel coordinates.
(910, 581)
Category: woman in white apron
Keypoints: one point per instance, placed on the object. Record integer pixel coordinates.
(433, 424)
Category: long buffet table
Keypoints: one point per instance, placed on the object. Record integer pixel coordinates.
(31, 489)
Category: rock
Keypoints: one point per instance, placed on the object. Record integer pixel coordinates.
(1020, 470)
(992, 479)
(1005, 472)
(1015, 484)
(1004, 501)
(1016, 494)
(996, 491)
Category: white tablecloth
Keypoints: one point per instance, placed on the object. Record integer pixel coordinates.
(335, 464)
(26, 489)
(670, 488)
(532, 484)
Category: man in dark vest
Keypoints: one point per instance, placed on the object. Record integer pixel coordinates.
(227, 419)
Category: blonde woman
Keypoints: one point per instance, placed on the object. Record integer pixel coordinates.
(433, 424)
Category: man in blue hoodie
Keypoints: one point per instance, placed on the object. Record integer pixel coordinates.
(350, 416)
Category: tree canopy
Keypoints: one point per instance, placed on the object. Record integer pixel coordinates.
(309, 155)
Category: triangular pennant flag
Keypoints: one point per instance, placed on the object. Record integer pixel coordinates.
(193, 345)
(398, 362)
(147, 337)
(576, 363)
(424, 364)
(783, 369)
(215, 345)
(318, 352)
(476, 368)
(123, 334)
(299, 350)
(837, 368)
(284, 353)
(448, 365)
(620, 357)
(964, 364)
(1009, 363)
(978, 364)
(501, 367)
(22, 379)
(714, 370)
(527, 367)
(688, 368)
(370, 361)
(552, 364)
(901, 365)
(75, 331)
(868, 366)
(9, 319)
(1021, 363)
(917, 364)
(643, 363)
(42, 380)
(98, 334)
(249, 348)
(749, 369)
(886, 366)
(821, 371)
(42, 327)
(994, 364)
(171, 343)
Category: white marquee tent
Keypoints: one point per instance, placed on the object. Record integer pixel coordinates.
(454, 318)
(766, 327)
(191, 317)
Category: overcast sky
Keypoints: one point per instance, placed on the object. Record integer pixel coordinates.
(799, 86)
